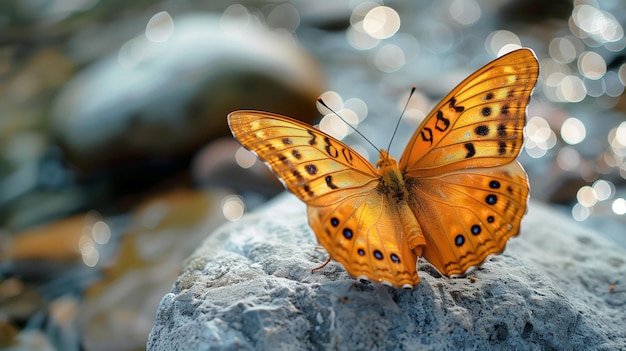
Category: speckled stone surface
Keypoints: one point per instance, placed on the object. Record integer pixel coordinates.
(558, 286)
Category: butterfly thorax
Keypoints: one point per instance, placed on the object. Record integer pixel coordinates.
(391, 178)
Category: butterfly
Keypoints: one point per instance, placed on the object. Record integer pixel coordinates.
(456, 196)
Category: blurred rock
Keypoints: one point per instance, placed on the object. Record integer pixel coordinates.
(250, 286)
(218, 165)
(163, 99)
(18, 301)
(118, 311)
(56, 241)
(8, 333)
(123, 265)
(32, 340)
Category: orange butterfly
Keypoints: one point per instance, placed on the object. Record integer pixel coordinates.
(457, 195)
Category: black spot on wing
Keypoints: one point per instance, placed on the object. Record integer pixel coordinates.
(471, 151)
(481, 130)
(311, 169)
(329, 182)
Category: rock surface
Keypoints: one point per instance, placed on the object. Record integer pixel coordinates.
(557, 286)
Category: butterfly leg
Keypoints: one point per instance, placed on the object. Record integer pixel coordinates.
(321, 266)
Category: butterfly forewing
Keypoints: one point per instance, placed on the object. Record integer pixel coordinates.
(317, 168)
(480, 123)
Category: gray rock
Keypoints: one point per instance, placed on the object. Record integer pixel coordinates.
(558, 286)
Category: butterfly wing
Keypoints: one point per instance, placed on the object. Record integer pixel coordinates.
(365, 234)
(469, 214)
(464, 186)
(316, 167)
(349, 216)
(479, 123)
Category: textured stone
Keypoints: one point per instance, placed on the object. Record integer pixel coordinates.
(250, 286)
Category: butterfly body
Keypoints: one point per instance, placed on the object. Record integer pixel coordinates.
(455, 197)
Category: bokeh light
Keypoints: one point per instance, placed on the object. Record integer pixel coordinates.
(500, 42)
(568, 159)
(604, 189)
(245, 158)
(464, 12)
(90, 255)
(591, 65)
(572, 89)
(619, 206)
(101, 232)
(593, 23)
(358, 106)
(573, 131)
(539, 137)
(580, 212)
(353, 111)
(87, 247)
(233, 207)
(356, 35)
(160, 27)
(389, 58)
(284, 16)
(381, 22)
(591, 76)
(563, 49)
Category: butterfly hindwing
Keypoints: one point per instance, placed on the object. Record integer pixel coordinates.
(316, 167)
(479, 123)
(365, 234)
(469, 214)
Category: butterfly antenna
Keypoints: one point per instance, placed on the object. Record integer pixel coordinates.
(346, 122)
(401, 115)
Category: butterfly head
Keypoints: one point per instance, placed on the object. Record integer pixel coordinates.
(385, 160)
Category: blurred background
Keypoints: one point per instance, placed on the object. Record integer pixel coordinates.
(116, 162)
